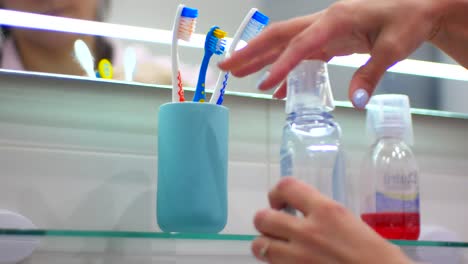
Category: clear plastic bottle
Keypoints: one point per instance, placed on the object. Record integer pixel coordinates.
(310, 148)
(390, 182)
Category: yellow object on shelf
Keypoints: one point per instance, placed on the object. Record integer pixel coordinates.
(105, 69)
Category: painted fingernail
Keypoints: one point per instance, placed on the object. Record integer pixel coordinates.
(262, 79)
(264, 251)
(360, 98)
(275, 93)
(275, 96)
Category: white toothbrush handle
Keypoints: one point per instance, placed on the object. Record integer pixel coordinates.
(175, 54)
(237, 37)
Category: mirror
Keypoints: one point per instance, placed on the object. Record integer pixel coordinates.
(153, 65)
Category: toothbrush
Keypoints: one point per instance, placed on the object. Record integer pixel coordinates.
(184, 26)
(214, 44)
(252, 25)
(129, 63)
(84, 57)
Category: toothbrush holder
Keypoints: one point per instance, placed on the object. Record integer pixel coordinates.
(192, 167)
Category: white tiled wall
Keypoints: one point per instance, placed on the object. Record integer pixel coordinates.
(76, 154)
(82, 155)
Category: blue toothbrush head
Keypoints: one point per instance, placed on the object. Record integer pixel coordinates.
(215, 42)
(261, 18)
(255, 26)
(189, 12)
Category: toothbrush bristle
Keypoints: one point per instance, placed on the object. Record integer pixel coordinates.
(220, 46)
(215, 42)
(187, 24)
(186, 28)
(219, 43)
(255, 26)
(261, 18)
(219, 33)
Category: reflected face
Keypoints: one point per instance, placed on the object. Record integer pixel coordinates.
(82, 9)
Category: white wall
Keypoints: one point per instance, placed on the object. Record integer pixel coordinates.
(453, 94)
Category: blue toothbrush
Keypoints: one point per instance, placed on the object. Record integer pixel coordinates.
(214, 44)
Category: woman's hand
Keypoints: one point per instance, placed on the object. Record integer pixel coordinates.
(328, 233)
(388, 30)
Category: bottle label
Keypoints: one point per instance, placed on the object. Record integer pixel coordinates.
(400, 182)
(386, 202)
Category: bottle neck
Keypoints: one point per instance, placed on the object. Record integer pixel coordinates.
(395, 132)
(391, 139)
(309, 114)
(309, 88)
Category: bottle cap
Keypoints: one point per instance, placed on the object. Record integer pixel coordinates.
(309, 88)
(389, 115)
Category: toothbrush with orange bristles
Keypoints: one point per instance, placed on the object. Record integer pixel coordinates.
(184, 26)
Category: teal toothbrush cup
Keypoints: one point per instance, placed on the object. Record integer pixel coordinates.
(192, 167)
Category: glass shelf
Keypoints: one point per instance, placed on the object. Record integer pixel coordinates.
(83, 246)
(185, 236)
(121, 234)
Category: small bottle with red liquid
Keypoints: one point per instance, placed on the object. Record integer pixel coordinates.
(389, 177)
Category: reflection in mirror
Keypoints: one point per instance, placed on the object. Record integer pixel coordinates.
(27, 49)
(55, 52)
(46, 51)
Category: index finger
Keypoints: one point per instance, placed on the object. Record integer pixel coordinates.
(308, 44)
(297, 194)
(274, 35)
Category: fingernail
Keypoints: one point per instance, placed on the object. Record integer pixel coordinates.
(360, 98)
(262, 79)
(275, 93)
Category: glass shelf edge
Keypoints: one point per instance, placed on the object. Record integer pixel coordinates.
(121, 234)
(185, 236)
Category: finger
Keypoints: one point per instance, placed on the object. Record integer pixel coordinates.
(277, 224)
(295, 193)
(281, 92)
(303, 46)
(386, 52)
(273, 36)
(257, 63)
(271, 250)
